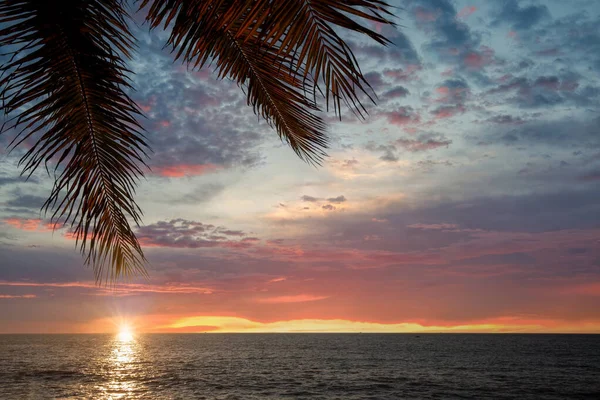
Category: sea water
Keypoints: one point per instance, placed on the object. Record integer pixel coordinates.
(300, 366)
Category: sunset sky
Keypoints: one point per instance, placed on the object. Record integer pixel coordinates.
(468, 200)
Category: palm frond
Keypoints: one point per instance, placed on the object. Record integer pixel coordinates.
(64, 88)
(297, 38)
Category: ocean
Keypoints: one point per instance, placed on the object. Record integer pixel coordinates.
(300, 366)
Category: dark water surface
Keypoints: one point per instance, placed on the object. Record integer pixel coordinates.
(307, 366)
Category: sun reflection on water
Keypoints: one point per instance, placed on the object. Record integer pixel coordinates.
(122, 368)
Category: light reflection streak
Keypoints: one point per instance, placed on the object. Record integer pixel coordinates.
(122, 368)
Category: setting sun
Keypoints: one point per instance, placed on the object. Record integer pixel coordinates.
(125, 333)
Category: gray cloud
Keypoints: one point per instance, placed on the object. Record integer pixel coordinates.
(201, 194)
(520, 17)
(452, 38)
(309, 199)
(9, 180)
(338, 199)
(181, 233)
(26, 201)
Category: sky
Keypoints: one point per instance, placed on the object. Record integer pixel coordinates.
(467, 201)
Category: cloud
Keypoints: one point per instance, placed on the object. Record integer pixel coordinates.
(299, 298)
(338, 199)
(309, 199)
(122, 289)
(17, 296)
(466, 11)
(452, 38)
(407, 74)
(448, 111)
(520, 18)
(433, 226)
(562, 134)
(389, 151)
(200, 194)
(9, 180)
(591, 176)
(179, 171)
(478, 59)
(395, 92)
(423, 142)
(401, 51)
(506, 120)
(403, 116)
(420, 143)
(26, 201)
(196, 123)
(452, 94)
(453, 91)
(328, 207)
(181, 233)
(28, 224)
(544, 91)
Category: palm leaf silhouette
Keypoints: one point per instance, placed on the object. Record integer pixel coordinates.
(279, 50)
(65, 89)
(67, 92)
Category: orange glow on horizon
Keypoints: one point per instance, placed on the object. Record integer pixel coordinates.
(229, 324)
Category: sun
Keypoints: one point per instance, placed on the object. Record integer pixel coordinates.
(125, 333)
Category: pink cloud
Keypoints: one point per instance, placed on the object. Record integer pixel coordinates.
(148, 105)
(300, 298)
(466, 11)
(424, 15)
(378, 26)
(379, 220)
(203, 74)
(275, 280)
(586, 289)
(474, 60)
(452, 94)
(25, 224)
(591, 177)
(399, 74)
(179, 171)
(22, 296)
(403, 116)
(448, 111)
(122, 288)
(479, 59)
(145, 107)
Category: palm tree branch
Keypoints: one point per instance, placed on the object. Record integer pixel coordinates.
(300, 36)
(66, 85)
(288, 110)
